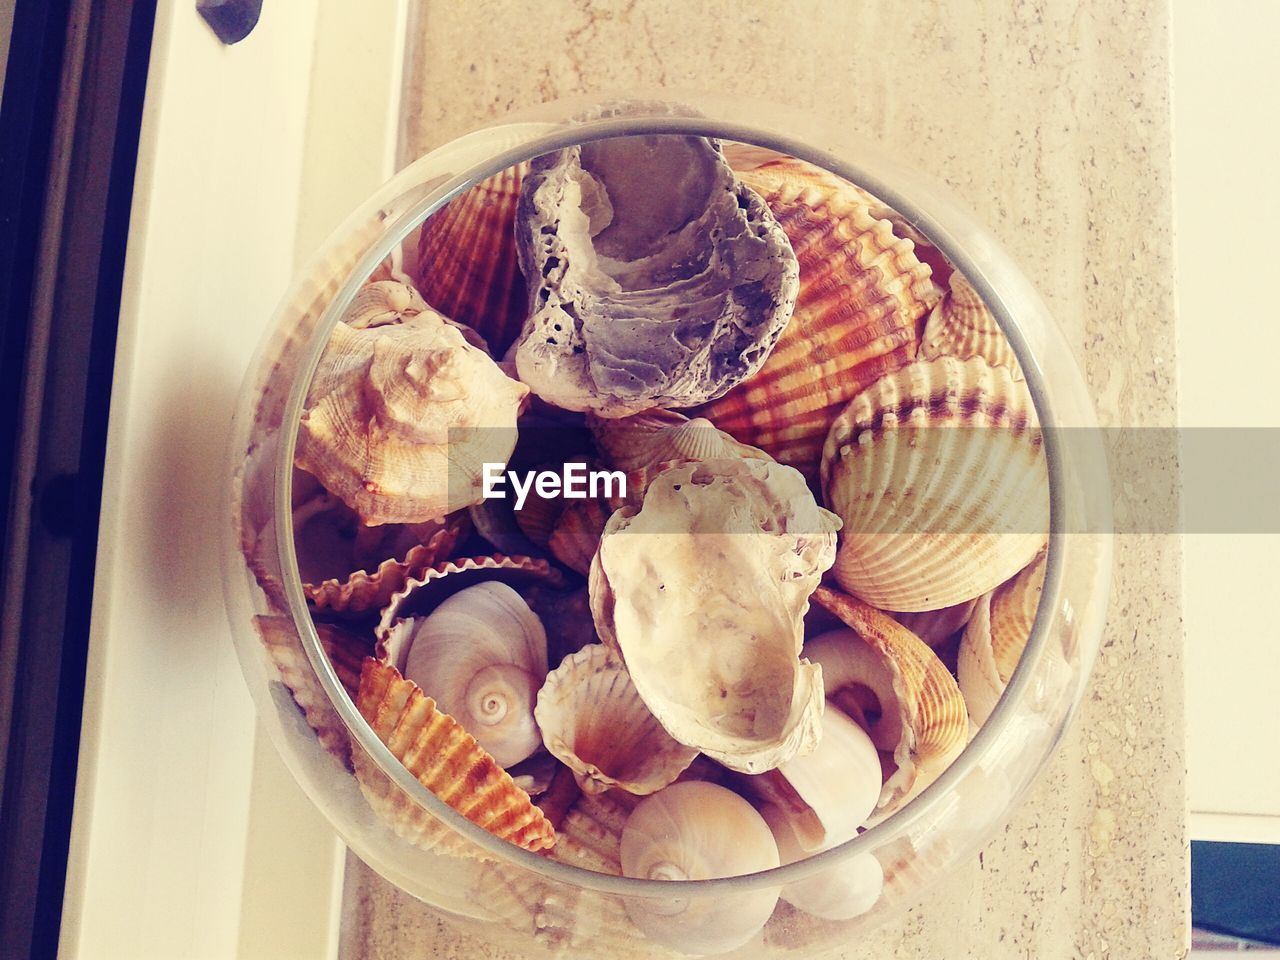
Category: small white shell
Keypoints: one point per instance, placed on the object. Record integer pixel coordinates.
(698, 831)
(593, 720)
(846, 890)
(482, 655)
(646, 439)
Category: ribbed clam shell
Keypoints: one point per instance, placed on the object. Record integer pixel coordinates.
(645, 439)
(591, 832)
(995, 638)
(467, 266)
(446, 760)
(862, 291)
(577, 533)
(961, 326)
(423, 593)
(938, 473)
(926, 724)
(593, 720)
(936, 627)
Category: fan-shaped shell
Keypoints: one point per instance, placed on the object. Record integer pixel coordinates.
(446, 760)
(939, 475)
(481, 655)
(422, 594)
(658, 436)
(400, 419)
(862, 291)
(643, 297)
(594, 721)
(994, 639)
(466, 260)
(699, 831)
(730, 550)
(922, 719)
(961, 326)
(841, 892)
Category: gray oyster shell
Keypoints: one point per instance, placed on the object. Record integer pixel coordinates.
(656, 278)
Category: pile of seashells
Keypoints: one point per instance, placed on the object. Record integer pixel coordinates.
(817, 583)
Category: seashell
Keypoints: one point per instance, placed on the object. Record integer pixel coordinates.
(496, 523)
(730, 550)
(880, 667)
(862, 291)
(936, 627)
(593, 720)
(591, 835)
(657, 436)
(482, 655)
(643, 297)
(348, 568)
(938, 472)
(994, 639)
(831, 791)
(422, 594)
(383, 303)
(446, 760)
(567, 617)
(534, 776)
(577, 532)
(466, 260)
(843, 891)
(400, 419)
(961, 326)
(699, 831)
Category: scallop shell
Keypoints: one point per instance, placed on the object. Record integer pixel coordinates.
(830, 792)
(698, 831)
(466, 263)
(862, 291)
(922, 717)
(939, 475)
(482, 655)
(400, 419)
(730, 550)
(961, 326)
(936, 627)
(994, 640)
(643, 297)
(593, 720)
(446, 760)
(422, 594)
(843, 891)
(329, 538)
(658, 436)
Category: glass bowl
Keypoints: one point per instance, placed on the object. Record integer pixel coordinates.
(517, 898)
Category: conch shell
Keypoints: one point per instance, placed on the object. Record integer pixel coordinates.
(482, 655)
(447, 761)
(961, 326)
(400, 419)
(699, 831)
(939, 475)
(841, 892)
(862, 291)
(593, 720)
(467, 266)
(880, 667)
(995, 637)
(729, 550)
(641, 297)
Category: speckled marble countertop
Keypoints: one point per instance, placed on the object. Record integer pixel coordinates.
(1050, 120)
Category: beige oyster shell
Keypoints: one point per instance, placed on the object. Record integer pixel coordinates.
(995, 637)
(938, 473)
(639, 296)
(593, 720)
(729, 552)
(400, 419)
(882, 675)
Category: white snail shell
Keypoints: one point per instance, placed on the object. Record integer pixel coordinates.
(699, 831)
(482, 654)
(841, 892)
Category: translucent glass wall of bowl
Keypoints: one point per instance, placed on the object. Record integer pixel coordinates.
(494, 885)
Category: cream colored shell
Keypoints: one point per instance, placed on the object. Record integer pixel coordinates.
(400, 419)
(939, 475)
(657, 436)
(729, 550)
(847, 889)
(593, 720)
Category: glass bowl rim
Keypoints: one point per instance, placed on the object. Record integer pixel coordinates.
(561, 136)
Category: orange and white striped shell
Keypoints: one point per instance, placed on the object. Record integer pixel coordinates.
(962, 326)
